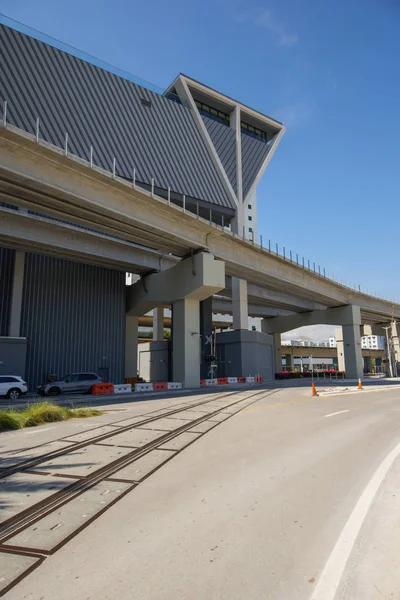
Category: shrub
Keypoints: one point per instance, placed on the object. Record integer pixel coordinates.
(10, 420)
(38, 414)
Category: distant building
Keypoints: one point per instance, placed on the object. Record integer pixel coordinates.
(373, 342)
(291, 343)
(368, 342)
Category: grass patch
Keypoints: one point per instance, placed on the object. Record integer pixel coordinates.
(38, 414)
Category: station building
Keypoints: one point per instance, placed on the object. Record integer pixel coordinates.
(191, 145)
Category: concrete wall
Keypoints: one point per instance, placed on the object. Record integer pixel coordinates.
(242, 353)
(12, 356)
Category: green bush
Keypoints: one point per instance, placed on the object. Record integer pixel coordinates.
(10, 420)
(38, 414)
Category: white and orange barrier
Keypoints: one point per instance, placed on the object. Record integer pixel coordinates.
(122, 388)
(231, 380)
(158, 386)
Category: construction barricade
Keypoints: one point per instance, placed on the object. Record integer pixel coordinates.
(174, 385)
(99, 389)
(230, 380)
(122, 388)
(159, 386)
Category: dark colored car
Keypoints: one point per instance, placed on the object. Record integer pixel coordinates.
(80, 383)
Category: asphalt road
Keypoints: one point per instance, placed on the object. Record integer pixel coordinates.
(292, 498)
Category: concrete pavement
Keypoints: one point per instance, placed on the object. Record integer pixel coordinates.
(253, 509)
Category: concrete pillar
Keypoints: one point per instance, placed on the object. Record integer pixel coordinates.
(17, 291)
(340, 348)
(186, 342)
(289, 362)
(352, 351)
(131, 346)
(239, 304)
(396, 347)
(277, 346)
(277, 353)
(158, 324)
(206, 329)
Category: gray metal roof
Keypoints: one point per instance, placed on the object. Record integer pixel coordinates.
(254, 153)
(101, 109)
(224, 141)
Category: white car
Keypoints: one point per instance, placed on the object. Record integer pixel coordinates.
(12, 386)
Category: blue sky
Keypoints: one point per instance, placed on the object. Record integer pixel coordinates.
(329, 69)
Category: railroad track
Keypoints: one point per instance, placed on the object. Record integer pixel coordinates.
(37, 460)
(12, 528)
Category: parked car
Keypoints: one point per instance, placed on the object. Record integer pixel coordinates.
(73, 383)
(12, 386)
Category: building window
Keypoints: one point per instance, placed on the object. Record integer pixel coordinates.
(250, 230)
(249, 206)
(212, 113)
(254, 132)
(250, 218)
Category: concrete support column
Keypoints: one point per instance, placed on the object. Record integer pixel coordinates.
(240, 312)
(350, 360)
(17, 291)
(289, 362)
(340, 348)
(186, 342)
(277, 346)
(352, 351)
(158, 324)
(396, 347)
(205, 335)
(277, 353)
(131, 346)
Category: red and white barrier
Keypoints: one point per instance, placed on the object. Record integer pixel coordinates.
(122, 388)
(231, 380)
(143, 387)
(174, 386)
(158, 386)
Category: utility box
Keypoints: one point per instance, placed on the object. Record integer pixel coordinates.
(245, 353)
(154, 361)
(12, 356)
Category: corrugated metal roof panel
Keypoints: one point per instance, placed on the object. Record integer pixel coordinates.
(254, 153)
(224, 141)
(101, 109)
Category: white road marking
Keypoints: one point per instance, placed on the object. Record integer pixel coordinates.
(339, 412)
(329, 580)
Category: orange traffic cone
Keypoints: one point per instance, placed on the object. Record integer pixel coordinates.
(313, 390)
(360, 387)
